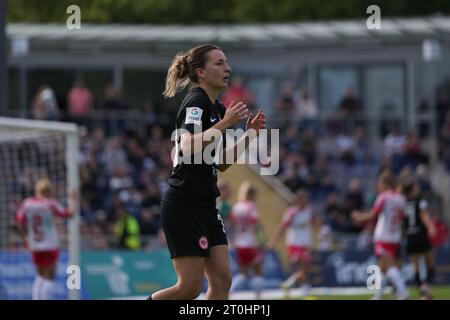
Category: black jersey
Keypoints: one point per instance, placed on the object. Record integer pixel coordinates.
(413, 223)
(196, 114)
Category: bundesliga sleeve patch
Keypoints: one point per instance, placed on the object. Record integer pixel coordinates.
(194, 116)
(423, 204)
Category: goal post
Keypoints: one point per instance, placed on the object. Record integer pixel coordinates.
(31, 149)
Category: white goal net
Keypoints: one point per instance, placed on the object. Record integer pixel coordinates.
(31, 150)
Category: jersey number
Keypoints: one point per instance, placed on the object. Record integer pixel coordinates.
(36, 224)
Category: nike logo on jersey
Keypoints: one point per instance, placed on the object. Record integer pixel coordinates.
(213, 119)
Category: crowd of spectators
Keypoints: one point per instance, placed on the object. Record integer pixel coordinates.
(122, 175)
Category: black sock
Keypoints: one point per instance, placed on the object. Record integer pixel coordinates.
(418, 280)
(430, 275)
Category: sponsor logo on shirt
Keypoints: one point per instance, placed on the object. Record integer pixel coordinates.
(194, 116)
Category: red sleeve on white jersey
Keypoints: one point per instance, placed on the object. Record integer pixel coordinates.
(247, 210)
(379, 204)
(20, 216)
(288, 216)
(233, 216)
(58, 209)
(253, 216)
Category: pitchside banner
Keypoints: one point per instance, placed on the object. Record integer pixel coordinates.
(117, 274)
(17, 274)
(121, 274)
(350, 268)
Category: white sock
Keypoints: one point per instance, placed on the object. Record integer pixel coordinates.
(396, 278)
(379, 292)
(36, 289)
(47, 289)
(257, 283)
(291, 280)
(238, 281)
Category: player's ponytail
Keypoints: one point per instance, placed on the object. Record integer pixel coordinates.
(182, 72)
(177, 75)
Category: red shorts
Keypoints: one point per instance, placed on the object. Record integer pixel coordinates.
(45, 259)
(297, 253)
(248, 256)
(387, 249)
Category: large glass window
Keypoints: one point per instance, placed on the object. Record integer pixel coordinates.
(384, 95)
(141, 86)
(384, 90)
(380, 88)
(13, 89)
(334, 82)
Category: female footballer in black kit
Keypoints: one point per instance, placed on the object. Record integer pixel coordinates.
(194, 231)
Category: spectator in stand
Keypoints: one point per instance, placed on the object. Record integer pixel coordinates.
(354, 201)
(350, 105)
(291, 139)
(362, 148)
(285, 107)
(350, 111)
(45, 105)
(80, 104)
(394, 148)
(345, 147)
(413, 150)
(115, 101)
(335, 216)
(305, 110)
(423, 178)
(324, 235)
(237, 91)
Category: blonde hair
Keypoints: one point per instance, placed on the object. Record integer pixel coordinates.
(388, 179)
(246, 190)
(44, 188)
(182, 72)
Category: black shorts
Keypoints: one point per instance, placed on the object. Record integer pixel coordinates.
(417, 244)
(191, 230)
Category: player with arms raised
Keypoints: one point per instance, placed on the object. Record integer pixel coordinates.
(390, 209)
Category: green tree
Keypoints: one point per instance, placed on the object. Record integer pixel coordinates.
(211, 11)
